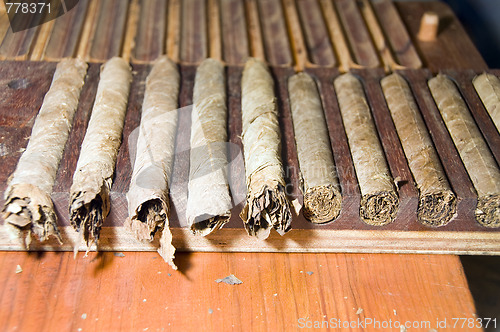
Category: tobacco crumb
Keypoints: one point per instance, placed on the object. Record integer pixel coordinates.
(230, 280)
(210, 311)
(119, 254)
(360, 310)
(19, 269)
(309, 272)
(84, 316)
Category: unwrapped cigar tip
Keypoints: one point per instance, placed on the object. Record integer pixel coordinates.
(429, 26)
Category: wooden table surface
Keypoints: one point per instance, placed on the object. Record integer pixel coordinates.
(139, 292)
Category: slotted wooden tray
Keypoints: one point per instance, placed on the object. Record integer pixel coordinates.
(310, 48)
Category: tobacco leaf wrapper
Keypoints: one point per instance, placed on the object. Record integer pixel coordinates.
(488, 89)
(148, 202)
(437, 202)
(28, 204)
(89, 198)
(267, 204)
(209, 202)
(379, 200)
(474, 152)
(319, 182)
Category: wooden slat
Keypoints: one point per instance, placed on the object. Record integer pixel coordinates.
(397, 36)
(275, 35)
(254, 30)
(337, 36)
(297, 43)
(139, 292)
(109, 30)
(40, 44)
(150, 38)
(173, 30)
(18, 45)
(214, 30)
(234, 32)
(316, 34)
(88, 30)
(194, 43)
(128, 44)
(357, 33)
(63, 41)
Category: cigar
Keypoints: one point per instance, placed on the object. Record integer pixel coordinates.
(319, 181)
(28, 204)
(148, 200)
(93, 177)
(488, 89)
(475, 154)
(379, 200)
(267, 204)
(209, 202)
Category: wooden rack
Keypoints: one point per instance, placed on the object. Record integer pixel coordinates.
(321, 37)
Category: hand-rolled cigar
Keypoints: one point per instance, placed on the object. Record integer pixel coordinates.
(475, 154)
(209, 203)
(488, 89)
(379, 200)
(320, 185)
(437, 202)
(148, 202)
(89, 197)
(28, 204)
(267, 204)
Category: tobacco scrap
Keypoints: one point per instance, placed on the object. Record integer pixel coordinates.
(488, 89)
(320, 185)
(148, 202)
(209, 203)
(379, 200)
(92, 180)
(473, 150)
(230, 280)
(267, 204)
(28, 204)
(437, 202)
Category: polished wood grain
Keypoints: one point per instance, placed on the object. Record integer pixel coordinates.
(139, 292)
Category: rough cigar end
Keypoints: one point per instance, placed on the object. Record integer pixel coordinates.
(437, 209)
(87, 217)
(379, 209)
(150, 217)
(488, 211)
(322, 204)
(268, 208)
(31, 217)
(167, 250)
(203, 227)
